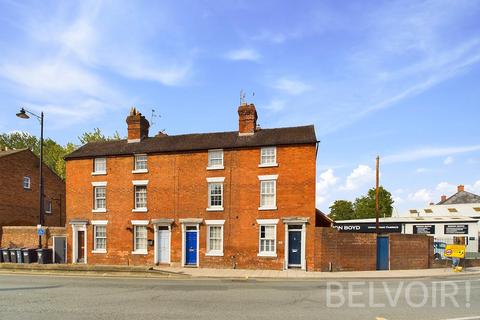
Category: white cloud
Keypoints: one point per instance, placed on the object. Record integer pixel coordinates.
(246, 54)
(360, 176)
(275, 105)
(428, 152)
(292, 87)
(446, 188)
(421, 170)
(327, 180)
(422, 195)
(448, 160)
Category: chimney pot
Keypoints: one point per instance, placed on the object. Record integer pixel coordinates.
(137, 126)
(247, 119)
(443, 198)
(461, 188)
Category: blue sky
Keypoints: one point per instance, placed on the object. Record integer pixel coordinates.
(395, 78)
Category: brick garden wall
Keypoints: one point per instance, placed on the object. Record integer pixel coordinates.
(357, 251)
(19, 237)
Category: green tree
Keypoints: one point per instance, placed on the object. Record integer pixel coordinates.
(97, 135)
(342, 210)
(365, 206)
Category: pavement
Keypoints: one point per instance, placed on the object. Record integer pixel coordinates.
(52, 297)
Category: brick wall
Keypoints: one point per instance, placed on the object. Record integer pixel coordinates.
(19, 206)
(177, 189)
(19, 237)
(358, 251)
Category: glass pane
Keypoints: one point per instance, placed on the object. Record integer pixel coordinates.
(140, 197)
(100, 165)
(215, 158)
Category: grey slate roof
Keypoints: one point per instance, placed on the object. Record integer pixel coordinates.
(199, 141)
(5, 153)
(461, 198)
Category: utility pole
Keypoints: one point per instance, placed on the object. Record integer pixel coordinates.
(377, 213)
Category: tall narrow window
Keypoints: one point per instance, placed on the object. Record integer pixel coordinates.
(100, 238)
(100, 165)
(141, 163)
(268, 194)
(140, 239)
(268, 156)
(26, 182)
(215, 195)
(267, 240)
(215, 240)
(215, 159)
(140, 197)
(100, 198)
(47, 206)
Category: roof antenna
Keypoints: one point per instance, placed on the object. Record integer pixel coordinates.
(242, 98)
(153, 117)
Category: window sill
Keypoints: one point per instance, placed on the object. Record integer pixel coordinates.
(142, 252)
(215, 209)
(267, 254)
(140, 210)
(267, 208)
(214, 254)
(140, 171)
(99, 210)
(216, 168)
(99, 173)
(267, 165)
(99, 251)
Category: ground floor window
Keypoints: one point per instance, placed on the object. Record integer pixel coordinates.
(267, 240)
(140, 239)
(100, 238)
(215, 240)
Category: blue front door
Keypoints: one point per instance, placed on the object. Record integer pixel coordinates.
(191, 248)
(294, 248)
(382, 253)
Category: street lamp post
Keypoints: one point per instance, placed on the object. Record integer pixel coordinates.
(24, 114)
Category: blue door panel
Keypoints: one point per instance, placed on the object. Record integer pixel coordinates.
(382, 253)
(191, 248)
(295, 247)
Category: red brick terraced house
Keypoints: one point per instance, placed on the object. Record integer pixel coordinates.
(240, 199)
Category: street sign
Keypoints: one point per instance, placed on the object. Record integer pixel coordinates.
(456, 229)
(424, 229)
(41, 232)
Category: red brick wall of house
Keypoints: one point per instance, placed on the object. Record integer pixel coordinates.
(177, 189)
(20, 207)
(358, 251)
(20, 237)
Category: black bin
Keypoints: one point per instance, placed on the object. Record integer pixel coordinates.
(29, 255)
(19, 254)
(44, 255)
(5, 255)
(13, 255)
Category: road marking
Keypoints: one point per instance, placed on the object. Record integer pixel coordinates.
(465, 318)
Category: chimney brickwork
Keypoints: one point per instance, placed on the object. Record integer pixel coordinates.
(137, 126)
(247, 119)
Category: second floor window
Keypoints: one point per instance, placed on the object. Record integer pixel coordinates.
(100, 198)
(26, 182)
(141, 162)
(100, 165)
(215, 159)
(140, 197)
(268, 156)
(215, 195)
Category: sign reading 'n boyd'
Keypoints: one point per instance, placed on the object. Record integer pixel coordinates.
(456, 229)
(424, 229)
(369, 227)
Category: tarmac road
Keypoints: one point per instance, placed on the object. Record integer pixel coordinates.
(69, 297)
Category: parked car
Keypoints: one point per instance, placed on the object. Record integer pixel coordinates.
(439, 250)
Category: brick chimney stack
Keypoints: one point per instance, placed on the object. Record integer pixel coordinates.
(443, 198)
(137, 126)
(461, 188)
(247, 119)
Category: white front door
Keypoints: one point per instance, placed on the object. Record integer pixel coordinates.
(163, 244)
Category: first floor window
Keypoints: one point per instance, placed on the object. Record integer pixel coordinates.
(100, 197)
(26, 182)
(267, 194)
(140, 239)
(100, 238)
(140, 197)
(215, 195)
(267, 239)
(215, 240)
(141, 162)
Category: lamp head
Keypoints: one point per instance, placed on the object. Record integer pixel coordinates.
(23, 114)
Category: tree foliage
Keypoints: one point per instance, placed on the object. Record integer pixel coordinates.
(342, 210)
(53, 153)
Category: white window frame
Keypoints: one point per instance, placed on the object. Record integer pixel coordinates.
(268, 178)
(268, 164)
(214, 223)
(29, 183)
(215, 166)
(47, 208)
(139, 183)
(263, 223)
(99, 172)
(139, 223)
(96, 223)
(96, 184)
(135, 163)
(211, 181)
